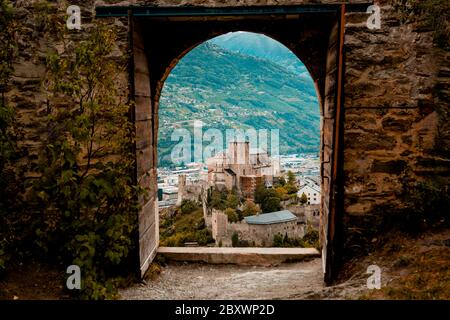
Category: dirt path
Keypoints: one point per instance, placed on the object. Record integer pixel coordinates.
(202, 281)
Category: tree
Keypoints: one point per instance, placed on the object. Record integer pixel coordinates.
(303, 198)
(292, 179)
(232, 215)
(290, 188)
(282, 192)
(232, 200)
(260, 193)
(268, 199)
(188, 206)
(271, 204)
(281, 181)
(250, 209)
(235, 239)
(291, 185)
(217, 200)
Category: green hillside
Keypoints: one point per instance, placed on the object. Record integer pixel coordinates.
(228, 90)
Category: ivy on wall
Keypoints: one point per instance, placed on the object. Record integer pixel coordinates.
(87, 200)
(83, 209)
(10, 180)
(430, 14)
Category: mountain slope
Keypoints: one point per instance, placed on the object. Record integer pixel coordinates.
(262, 47)
(228, 90)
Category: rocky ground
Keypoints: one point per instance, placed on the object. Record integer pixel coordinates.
(200, 281)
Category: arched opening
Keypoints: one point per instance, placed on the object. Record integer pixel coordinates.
(238, 146)
(312, 37)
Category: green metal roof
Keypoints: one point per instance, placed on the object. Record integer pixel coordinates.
(271, 218)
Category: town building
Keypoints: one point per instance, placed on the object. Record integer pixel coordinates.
(311, 191)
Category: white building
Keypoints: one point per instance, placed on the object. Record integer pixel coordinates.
(311, 191)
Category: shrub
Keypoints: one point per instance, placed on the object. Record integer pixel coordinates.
(232, 215)
(278, 240)
(86, 198)
(271, 204)
(268, 199)
(188, 206)
(431, 14)
(232, 201)
(303, 198)
(235, 239)
(250, 209)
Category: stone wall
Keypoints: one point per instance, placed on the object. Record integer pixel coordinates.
(262, 235)
(253, 234)
(396, 116)
(219, 226)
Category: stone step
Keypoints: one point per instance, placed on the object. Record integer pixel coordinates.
(239, 256)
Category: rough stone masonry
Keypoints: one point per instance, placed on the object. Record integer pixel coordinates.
(396, 102)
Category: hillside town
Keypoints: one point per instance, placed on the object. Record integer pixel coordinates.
(245, 197)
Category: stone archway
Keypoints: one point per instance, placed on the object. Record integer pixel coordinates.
(313, 36)
(161, 36)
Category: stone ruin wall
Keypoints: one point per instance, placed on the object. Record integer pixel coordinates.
(255, 235)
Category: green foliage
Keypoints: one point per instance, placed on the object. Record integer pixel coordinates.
(278, 240)
(86, 197)
(271, 204)
(250, 209)
(430, 14)
(303, 198)
(235, 239)
(281, 181)
(175, 231)
(292, 180)
(282, 192)
(217, 199)
(291, 189)
(268, 199)
(310, 240)
(188, 206)
(11, 182)
(232, 200)
(232, 215)
(222, 200)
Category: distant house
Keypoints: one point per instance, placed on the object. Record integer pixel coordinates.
(312, 192)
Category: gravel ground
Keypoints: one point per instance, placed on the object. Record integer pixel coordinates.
(202, 281)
